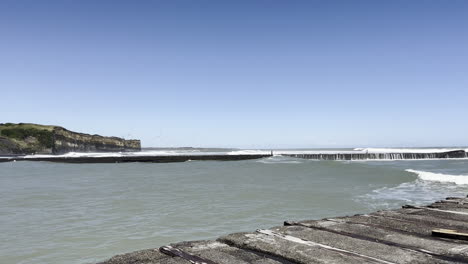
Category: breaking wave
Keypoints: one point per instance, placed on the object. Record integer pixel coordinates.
(280, 160)
(248, 152)
(407, 150)
(440, 177)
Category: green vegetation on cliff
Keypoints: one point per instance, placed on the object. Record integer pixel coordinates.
(25, 138)
(44, 137)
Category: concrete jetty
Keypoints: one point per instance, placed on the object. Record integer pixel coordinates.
(456, 154)
(437, 233)
(143, 158)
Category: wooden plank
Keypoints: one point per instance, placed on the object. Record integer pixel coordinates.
(177, 252)
(449, 233)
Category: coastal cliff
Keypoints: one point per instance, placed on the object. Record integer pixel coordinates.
(26, 138)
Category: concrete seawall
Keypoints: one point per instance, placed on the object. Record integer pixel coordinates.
(123, 159)
(224, 157)
(436, 233)
(383, 156)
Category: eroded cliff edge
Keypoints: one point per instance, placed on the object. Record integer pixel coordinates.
(24, 138)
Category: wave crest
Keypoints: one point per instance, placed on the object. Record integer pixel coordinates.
(440, 177)
(407, 150)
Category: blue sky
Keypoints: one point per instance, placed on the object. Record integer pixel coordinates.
(250, 74)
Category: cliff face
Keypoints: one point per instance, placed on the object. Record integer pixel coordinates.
(67, 141)
(7, 146)
(31, 138)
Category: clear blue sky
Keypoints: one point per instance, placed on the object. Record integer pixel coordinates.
(240, 73)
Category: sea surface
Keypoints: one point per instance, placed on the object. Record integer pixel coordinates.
(84, 213)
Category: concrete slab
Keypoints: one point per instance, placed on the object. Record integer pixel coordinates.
(295, 252)
(211, 250)
(447, 250)
(393, 254)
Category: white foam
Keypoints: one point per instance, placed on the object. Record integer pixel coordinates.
(280, 160)
(77, 154)
(440, 177)
(406, 150)
(248, 152)
(417, 192)
(288, 152)
(367, 150)
(168, 152)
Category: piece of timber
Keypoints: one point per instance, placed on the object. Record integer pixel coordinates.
(449, 233)
(177, 252)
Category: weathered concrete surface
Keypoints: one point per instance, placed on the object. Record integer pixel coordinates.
(213, 250)
(389, 237)
(393, 236)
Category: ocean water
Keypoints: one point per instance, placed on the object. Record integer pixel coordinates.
(84, 213)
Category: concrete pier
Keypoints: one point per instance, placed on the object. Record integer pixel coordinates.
(123, 159)
(409, 235)
(456, 154)
(225, 157)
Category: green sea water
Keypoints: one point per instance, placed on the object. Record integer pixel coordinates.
(84, 213)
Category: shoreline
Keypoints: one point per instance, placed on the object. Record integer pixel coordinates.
(412, 234)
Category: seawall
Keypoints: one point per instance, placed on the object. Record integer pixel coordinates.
(224, 157)
(124, 159)
(382, 156)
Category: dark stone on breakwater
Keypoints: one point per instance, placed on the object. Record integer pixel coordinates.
(153, 159)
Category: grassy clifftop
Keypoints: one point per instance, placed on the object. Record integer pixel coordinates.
(30, 136)
(26, 138)
(26, 126)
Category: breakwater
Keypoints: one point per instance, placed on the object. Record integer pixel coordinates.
(122, 159)
(382, 156)
(430, 234)
(136, 157)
